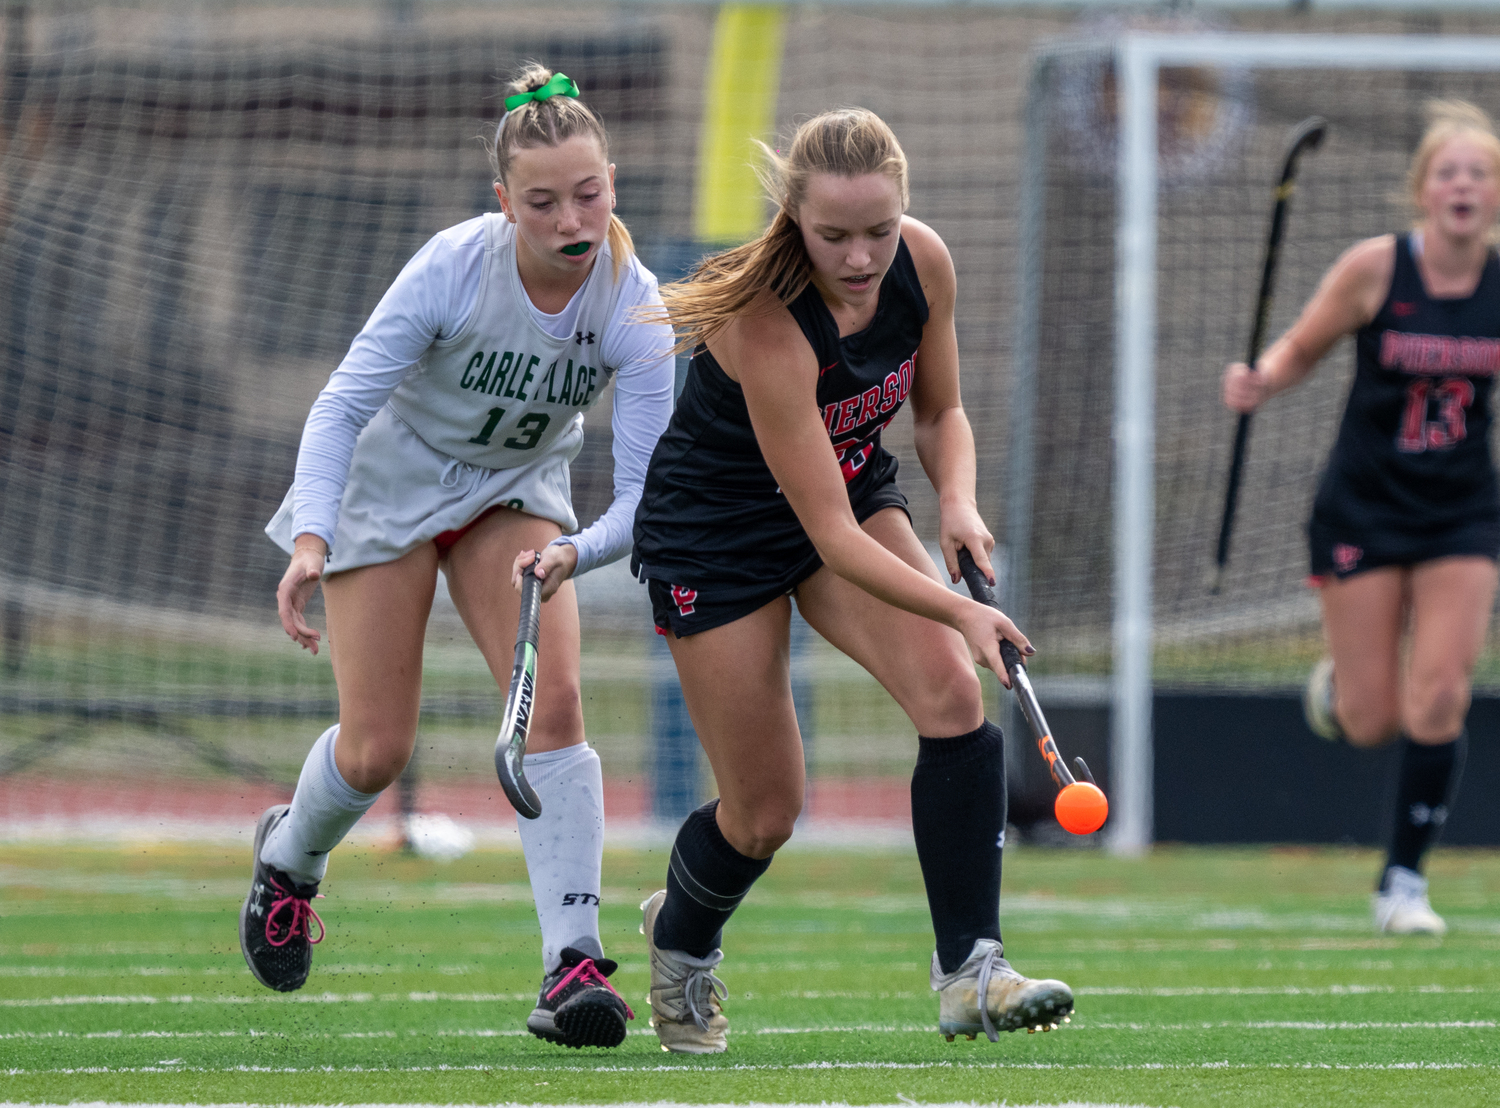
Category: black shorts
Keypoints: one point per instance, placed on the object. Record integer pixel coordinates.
(688, 609)
(1340, 551)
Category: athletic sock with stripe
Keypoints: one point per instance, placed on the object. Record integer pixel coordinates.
(705, 884)
(958, 820)
(324, 808)
(564, 847)
(1427, 779)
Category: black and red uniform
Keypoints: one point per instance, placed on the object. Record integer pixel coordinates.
(715, 539)
(1410, 477)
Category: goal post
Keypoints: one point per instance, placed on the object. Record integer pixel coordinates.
(1136, 63)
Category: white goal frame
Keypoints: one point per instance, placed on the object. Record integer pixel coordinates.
(1138, 58)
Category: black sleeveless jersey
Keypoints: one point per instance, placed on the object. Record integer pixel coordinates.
(1413, 450)
(711, 512)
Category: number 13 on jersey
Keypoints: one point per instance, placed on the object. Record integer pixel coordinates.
(1417, 432)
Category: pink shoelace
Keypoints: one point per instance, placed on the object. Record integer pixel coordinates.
(585, 972)
(302, 912)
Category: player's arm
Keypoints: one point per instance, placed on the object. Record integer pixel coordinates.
(416, 309)
(944, 439)
(766, 352)
(1347, 298)
(642, 405)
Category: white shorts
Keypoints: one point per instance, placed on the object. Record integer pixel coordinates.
(403, 493)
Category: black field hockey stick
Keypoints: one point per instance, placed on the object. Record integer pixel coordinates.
(510, 747)
(1080, 806)
(1308, 136)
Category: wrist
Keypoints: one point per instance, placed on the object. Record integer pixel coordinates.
(960, 500)
(312, 543)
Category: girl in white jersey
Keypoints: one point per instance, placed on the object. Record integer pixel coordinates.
(442, 442)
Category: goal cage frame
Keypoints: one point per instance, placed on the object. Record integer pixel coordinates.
(1138, 58)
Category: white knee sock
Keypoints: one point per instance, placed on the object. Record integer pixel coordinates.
(324, 808)
(564, 849)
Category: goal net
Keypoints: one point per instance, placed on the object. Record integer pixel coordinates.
(1153, 164)
(200, 206)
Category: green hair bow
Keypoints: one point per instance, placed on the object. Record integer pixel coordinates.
(560, 85)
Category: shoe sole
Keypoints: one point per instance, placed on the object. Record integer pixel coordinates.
(1041, 1012)
(268, 819)
(579, 1024)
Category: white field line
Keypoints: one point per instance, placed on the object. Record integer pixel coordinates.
(618, 1104)
(113, 830)
(745, 1067)
(491, 998)
(1189, 914)
(1080, 1024)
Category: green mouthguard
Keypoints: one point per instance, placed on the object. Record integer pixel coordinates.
(576, 249)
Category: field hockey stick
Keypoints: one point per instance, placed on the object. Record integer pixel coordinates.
(510, 747)
(1308, 136)
(1081, 806)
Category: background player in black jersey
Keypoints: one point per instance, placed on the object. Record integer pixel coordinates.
(771, 482)
(1405, 528)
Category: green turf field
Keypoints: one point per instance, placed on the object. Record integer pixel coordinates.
(1204, 977)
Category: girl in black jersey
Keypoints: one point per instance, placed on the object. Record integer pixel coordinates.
(1405, 528)
(771, 483)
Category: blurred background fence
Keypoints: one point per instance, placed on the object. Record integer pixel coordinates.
(201, 203)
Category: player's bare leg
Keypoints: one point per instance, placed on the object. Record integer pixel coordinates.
(376, 618)
(737, 685)
(736, 680)
(1363, 620)
(924, 665)
(958, 789)
(1451, 602)
(564, 846)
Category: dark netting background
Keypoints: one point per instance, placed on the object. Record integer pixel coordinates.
(194, 226)
(200, 205)
(1223, 141)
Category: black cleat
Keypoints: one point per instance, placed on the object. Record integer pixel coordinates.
(577, 1006)
(275, 932)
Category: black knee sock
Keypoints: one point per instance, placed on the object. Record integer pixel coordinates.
(1427, 780)
(958, 819)
(705, 884)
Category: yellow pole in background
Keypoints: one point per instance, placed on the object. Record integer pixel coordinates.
(744, 72)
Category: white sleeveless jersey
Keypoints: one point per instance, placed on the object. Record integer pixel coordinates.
(501, 389)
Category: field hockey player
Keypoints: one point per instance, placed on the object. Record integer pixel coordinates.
(771, 484)
(1405, 527)
(443, 441)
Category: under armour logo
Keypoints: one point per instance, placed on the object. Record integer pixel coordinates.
(582, 339)
(1422, 815)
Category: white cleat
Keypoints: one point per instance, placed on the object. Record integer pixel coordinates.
(1403, 908)
(1011, 1001)
(1317, 703)
(685, 996)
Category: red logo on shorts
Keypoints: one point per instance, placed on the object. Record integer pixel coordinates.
(684, 598)
(1346, 557)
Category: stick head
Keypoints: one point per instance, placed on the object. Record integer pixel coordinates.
(1308, 135)
(1081, 808)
